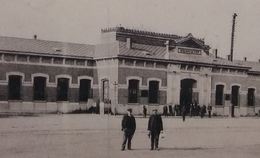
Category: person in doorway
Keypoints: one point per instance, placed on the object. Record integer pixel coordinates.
(209, 110)
(144, 111)
(128, 127)
(155, 127)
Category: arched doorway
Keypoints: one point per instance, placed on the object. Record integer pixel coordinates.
(186, 94)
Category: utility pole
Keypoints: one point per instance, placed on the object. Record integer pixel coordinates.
(232, 36)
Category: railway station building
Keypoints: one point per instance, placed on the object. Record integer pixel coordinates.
(127, 69)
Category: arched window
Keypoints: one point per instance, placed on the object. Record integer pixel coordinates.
(251, 97)
(84, 89)
(62, 89)
(14, 87)
(153, 92)
(133, 88)
(219, 99)
(39, 88)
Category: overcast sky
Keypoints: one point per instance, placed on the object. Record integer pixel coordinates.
(81, 20)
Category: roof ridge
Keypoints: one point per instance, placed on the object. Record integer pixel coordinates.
(44, 40)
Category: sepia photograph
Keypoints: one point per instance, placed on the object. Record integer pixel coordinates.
(129, 79)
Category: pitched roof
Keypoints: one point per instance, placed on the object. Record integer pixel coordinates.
(255, 66)
(36, 46)
(157, 52)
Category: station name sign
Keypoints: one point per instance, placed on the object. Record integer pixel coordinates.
(189, 51)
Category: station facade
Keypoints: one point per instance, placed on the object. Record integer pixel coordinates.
(127, 69)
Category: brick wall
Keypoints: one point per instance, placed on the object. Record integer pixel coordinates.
(52, 71)
(143, 73)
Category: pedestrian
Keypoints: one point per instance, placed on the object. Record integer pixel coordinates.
(165, 110)
(209, 110)
(155, 127)
(144, 111)
(191, 109)
(128, 127)
(203, 111)
(183, 112)
(171, 110)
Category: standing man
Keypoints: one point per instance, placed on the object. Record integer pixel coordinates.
(144, 111)
(155, 127)
(128, 127)
(165, 110)
(209, 110)
(183, 112)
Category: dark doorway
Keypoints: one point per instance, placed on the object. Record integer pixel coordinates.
(63, 89)
(84, 90)
(133, 89)
(186, 93)
(39, 86)
(153, 92)
(14, 87)
(234, 99)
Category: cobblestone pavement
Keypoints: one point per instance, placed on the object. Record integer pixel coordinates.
(93, 136)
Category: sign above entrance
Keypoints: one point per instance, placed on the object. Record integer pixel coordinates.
(189, 51)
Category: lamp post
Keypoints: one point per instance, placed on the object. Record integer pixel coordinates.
(115, 97)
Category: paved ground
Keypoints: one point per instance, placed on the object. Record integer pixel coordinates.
(92, 136)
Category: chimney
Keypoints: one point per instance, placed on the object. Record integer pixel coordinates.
(216, 53)
(245, 58)
(167, 55)
(35, 37)
(128, 43)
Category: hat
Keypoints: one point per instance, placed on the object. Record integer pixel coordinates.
(130, 110)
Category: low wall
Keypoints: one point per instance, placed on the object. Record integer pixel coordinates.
(44, 107)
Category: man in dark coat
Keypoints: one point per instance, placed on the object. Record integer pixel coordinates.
(144, 111)
(209, 110)
(155, 126)
(128, 127)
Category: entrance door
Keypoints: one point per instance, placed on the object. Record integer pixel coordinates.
(186, 93)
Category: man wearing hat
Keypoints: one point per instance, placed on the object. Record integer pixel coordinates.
(128, 127)
(155, 127)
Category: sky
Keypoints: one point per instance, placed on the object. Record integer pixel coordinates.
(80, 21)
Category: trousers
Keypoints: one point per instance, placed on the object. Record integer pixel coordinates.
(127, 138)
(154, 139)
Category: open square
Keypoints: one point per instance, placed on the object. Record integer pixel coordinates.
(94, 136)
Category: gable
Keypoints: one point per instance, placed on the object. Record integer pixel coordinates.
(191, 43)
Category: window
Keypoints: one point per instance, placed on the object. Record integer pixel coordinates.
(235, 95)
(39, 86)
(251, 97)
(153, 91)
(183, 67)
(14, 87)
(133, 89)
(62, 89)
(190, 68)
(219, 95)
(84, 89)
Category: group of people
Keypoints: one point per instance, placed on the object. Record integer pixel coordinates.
(155, 128)
(155, 124)
(195, 110)
(192, 109)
